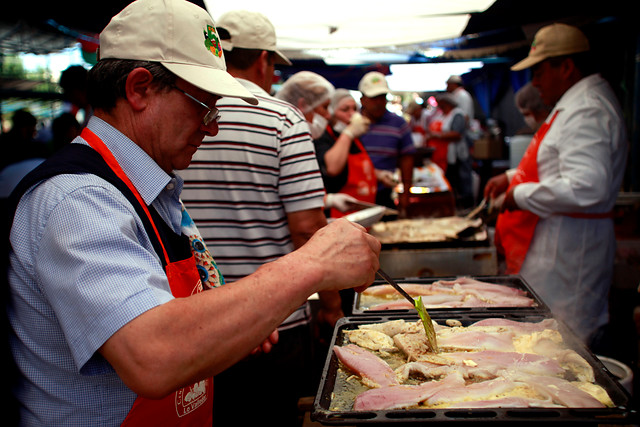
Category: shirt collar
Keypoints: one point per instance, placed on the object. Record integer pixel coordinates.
(252, 87)
(145, 174)
(569, 96)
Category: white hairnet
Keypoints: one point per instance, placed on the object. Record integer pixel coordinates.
(338, 96)
(306, 86)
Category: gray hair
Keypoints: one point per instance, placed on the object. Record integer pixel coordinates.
(528, 99)
(107, 79)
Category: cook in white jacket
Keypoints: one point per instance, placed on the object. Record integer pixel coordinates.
(579, 162)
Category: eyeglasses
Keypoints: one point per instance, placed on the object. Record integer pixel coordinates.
(212, 112)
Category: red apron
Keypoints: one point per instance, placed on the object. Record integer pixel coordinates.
(361, 180)
(440, 146)
(514, 229)
(189, 406)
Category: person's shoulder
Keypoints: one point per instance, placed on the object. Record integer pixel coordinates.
(394, 119)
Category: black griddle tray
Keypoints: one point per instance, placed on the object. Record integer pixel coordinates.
(463, 242)
(512, 281)
(621, 413)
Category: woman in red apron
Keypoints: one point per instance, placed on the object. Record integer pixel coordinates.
(352, 172)
(361, 179)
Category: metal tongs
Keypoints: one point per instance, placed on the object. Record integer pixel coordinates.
(419, 306)
(476, 210)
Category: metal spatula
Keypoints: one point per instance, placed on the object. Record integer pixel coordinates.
(419, 306)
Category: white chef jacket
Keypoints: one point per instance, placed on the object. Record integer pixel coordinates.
(581, 163)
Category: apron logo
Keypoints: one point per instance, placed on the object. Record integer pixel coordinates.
(211, 41)
(191, 398)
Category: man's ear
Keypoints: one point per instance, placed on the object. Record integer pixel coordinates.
(264, 63)
(568, 67)
(137, 88)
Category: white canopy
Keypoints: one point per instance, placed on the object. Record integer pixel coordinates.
(321, 29)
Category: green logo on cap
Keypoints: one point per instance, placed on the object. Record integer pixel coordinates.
(211, 41)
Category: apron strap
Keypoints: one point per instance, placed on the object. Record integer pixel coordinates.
(97, 144)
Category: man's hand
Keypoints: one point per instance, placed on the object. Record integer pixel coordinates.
(496, 186)
(386, 178)
(509, 203)
(267, 344)
(339, 256)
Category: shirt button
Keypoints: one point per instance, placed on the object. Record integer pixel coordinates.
(170, 186)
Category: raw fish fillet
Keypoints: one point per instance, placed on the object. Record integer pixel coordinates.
(402, 396)
(374, 371)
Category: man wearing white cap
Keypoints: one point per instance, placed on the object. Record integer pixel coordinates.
(256, 193)
(556, 228)
(464, 100)
(115, 306)
(388, 141)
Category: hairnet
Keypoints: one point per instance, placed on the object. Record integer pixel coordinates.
(338, 96)
(311, 88)
(528, 98)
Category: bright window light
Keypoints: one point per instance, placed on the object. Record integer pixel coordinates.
(426, 77)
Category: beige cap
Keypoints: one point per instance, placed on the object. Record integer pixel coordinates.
(554, 40)
(373, 84)
(178, 34)
(250, 30)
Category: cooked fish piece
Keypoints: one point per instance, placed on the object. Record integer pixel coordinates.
(413, 346)
(392, 327)
(371, 339)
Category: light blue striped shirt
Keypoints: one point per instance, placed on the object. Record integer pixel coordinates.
(82, 266)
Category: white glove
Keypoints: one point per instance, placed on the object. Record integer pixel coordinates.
(339, 201)
(386, 177)
(357, 126)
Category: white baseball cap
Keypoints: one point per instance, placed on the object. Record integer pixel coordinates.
(373, 84)
(554, 40)
(250, 30)
(178, 34)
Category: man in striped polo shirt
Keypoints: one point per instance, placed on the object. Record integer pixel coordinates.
(256, 193)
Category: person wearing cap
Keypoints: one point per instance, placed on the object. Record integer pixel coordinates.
(256, 193)
(556, 228)
(345, 165)
(116, 310)
(388, 141)
(464, 100)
